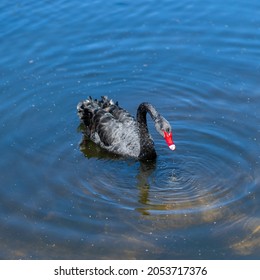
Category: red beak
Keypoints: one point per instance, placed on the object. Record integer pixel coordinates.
(169, 141)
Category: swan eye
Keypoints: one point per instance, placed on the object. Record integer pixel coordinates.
(167, 130)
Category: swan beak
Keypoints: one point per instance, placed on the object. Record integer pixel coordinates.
(172, 147)
(169, 141)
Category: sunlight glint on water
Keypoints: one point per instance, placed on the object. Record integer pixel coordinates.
(63, 197)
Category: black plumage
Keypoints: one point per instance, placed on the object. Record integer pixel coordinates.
(114, 129)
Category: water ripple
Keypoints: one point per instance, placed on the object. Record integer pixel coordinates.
(206, 172)
(60, 196)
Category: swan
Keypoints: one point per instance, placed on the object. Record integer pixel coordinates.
(114, 129)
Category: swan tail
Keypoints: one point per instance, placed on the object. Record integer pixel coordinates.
(87, 109)
(94, 114)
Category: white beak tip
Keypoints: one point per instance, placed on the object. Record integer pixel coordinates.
(172, 147)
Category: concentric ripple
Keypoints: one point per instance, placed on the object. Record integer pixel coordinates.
(201, 177)
(208, 170)
(198, 64)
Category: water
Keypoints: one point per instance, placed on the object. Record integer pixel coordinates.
(61, 197)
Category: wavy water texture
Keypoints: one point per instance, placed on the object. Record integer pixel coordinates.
(61, 196)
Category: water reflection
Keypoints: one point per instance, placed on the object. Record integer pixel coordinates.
(190, 185)
(143, 175)
(91, 150)
(183, 198)
(202, 71)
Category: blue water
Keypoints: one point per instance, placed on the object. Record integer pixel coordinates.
(61, 197)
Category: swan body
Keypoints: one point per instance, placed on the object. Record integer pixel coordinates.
(114, 129)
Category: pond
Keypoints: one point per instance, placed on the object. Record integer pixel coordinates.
(62, 197)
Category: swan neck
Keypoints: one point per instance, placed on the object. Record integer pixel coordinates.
(142, 111)
(146, 142)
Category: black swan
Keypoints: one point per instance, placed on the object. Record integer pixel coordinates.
(114, 129)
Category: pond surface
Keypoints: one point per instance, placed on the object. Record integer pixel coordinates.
(61, 197)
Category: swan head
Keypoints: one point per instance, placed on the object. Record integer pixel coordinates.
(164, 129)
